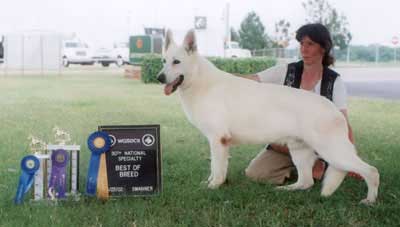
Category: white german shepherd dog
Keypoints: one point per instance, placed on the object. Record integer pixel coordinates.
(231, 110)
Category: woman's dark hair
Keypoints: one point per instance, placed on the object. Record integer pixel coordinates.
(318, 33)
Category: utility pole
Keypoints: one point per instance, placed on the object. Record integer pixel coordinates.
(227, 27)
(395, 41)
(348, 54)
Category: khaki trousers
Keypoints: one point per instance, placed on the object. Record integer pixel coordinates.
(270, 166)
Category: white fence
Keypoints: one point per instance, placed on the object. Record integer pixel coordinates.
(277, 53)
(34, 52)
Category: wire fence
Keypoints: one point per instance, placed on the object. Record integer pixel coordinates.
(42, 54)
(34, 53)
(377, 54)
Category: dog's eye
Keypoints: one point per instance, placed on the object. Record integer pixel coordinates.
(164, 61)
(175, 62)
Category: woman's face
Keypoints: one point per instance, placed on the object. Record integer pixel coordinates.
(311, 51)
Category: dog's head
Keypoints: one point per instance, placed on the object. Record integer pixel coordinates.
(178, 61)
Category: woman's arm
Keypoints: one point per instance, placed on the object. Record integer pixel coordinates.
(251, 77)
(275, 75)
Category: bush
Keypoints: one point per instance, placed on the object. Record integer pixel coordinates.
(152, 65)
(243, 65)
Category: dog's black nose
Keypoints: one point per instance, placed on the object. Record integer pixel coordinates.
(162, 78)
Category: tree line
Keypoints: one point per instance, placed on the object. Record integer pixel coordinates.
(252, 34)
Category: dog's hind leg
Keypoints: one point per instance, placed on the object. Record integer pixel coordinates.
(219, 148)
(332, 179)
(342, 155)
(303, 158)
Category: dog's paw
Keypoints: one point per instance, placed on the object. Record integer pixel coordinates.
(295, 186)
(290, 187)
(210, 178)
(204, 184)
(367, 202)
(214, 184)
(285, 187)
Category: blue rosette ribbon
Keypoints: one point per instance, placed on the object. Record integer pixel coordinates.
(98, 143)
(29, 165)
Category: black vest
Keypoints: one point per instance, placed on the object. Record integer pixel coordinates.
(295, 71)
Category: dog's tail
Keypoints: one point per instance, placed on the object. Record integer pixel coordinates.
(333, 178)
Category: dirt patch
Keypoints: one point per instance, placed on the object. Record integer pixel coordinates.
(133, 72)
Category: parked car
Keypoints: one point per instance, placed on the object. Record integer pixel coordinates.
(118, 55)
(233, 50)
(121, 52)
(76, 52)
(104, 56)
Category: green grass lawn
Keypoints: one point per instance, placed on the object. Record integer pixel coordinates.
(79, 103)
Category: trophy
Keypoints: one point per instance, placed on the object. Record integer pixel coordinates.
(38, 148)
(60, 136)
(47, 171)
(62, 154)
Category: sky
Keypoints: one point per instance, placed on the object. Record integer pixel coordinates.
(102, 22)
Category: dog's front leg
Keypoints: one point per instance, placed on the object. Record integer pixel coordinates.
(219, 162)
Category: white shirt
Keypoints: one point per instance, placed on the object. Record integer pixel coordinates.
(277, 75)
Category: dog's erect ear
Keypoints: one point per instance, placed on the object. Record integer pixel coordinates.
(168, 39)
(190, 42)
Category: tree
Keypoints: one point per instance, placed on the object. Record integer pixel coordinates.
(252, 33)
(282, 36)
(320, 11)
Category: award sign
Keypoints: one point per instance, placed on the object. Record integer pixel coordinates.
(134, 160)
